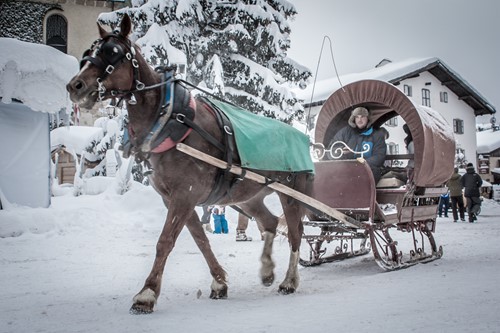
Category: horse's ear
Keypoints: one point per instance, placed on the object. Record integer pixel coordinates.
(102, 32)
(125, 26)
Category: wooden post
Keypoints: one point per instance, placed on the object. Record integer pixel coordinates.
(275, 186)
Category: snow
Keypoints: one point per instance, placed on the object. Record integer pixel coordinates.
(75, 267)
(157, 37)
(488, 141)
(75, 138)
(35, 74)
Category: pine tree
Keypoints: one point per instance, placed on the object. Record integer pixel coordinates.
(237, 49)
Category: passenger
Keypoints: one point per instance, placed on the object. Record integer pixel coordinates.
(456, 196)
(472, 182)
(410, 148)
(360, 133)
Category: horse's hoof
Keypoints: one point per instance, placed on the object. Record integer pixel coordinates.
(268, 280)
(286, 290)
(219, 294)
(139, 309)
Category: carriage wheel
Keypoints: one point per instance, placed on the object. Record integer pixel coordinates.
(384, 248)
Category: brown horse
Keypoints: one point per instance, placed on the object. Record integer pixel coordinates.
(114, 68)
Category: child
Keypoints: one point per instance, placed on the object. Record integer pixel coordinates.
(220, 222)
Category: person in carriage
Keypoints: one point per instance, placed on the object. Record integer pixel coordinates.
(360, 136)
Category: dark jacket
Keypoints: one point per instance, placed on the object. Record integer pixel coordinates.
(471, 182)
(355, 139)
(455, 185)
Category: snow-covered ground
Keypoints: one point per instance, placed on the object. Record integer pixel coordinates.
(74, 267)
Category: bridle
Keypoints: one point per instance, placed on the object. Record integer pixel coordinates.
(107, 54)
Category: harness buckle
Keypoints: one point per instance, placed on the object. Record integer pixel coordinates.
(128, 56)
(139, 85)
(110, 69)
(180, 117)
(135, 63)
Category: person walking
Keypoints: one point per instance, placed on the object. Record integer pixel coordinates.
(444, 204)
(456, 196)
(472, 182)
(220, 222)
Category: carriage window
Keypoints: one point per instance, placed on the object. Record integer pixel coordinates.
(426, 97)
(407, 90)
(443, 97)
(458, 126)
(57, 32)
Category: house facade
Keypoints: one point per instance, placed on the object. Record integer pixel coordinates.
(67, 25)
(428, 82)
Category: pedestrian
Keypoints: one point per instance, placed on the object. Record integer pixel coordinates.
(444, 204)
(220, 222)
(472, 182)
(242, 226)
(454, 184)
(205, 218)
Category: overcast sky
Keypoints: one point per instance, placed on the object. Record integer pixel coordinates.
(465, 34)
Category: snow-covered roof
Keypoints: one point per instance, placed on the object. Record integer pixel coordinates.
(487, 141)
(395, 72)
(75, 138)
(35, 74)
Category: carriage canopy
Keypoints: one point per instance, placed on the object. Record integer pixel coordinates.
(432, 135)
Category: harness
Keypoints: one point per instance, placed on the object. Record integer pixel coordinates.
(175, 116)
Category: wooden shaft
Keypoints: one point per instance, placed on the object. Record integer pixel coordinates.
(275, 186)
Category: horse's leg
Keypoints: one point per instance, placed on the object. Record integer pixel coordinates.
(145, 300)
(256, 208)
(293, 215)
(294, 212)
(219, 285)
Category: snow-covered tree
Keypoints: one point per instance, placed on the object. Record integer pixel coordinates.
(236, 49)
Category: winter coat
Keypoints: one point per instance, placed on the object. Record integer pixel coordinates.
(355, 139)
(454, 185)
(471, 182)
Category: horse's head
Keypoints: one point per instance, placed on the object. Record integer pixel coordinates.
(107, 69)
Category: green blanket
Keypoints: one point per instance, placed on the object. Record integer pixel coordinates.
(267, 144)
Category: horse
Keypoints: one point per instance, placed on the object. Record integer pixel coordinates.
(114, 68)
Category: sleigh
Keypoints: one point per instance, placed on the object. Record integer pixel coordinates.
(395, 218)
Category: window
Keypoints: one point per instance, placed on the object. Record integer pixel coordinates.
(393, 122)
(407, 90)
(443, 97)
(426, 97)
(57, 32)
(393, 148)
(458, 126)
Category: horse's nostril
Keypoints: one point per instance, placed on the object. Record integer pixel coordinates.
(78, 85)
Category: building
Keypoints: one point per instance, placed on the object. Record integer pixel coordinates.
(428, 82)
(67, 25)
(32, 87)
(488, 152)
